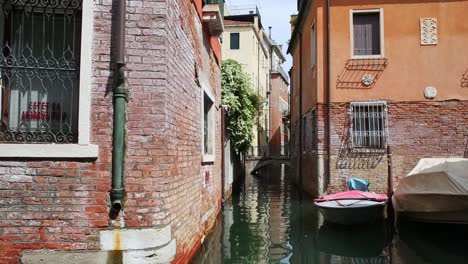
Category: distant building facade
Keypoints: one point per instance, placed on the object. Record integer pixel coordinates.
(246, 41)
(396, 76)
(57, 166)
(279, 104)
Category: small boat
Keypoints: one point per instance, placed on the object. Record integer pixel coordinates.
(352, 207)
(436, 190)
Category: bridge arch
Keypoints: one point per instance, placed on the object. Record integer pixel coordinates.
(263, 163)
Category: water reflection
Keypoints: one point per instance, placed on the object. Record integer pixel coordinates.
(269, 221)
(354, 244)
(431, 243)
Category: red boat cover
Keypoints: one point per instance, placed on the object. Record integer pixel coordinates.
(360, 195)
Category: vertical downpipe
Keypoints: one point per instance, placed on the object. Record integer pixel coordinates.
(119, 102)
(300, 111)
(327, 180)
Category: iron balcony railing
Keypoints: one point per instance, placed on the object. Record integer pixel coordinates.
(249, 9)
(268, 151)
(279, 69)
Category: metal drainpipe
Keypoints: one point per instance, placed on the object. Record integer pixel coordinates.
(327, 180)
(119, 102)
(259, 95)
(300, 110)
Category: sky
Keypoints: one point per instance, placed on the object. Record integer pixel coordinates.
(274, 13)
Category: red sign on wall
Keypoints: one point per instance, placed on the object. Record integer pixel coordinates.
(44, 111)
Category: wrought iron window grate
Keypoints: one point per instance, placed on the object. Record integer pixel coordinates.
(368, 125)
(39, 67)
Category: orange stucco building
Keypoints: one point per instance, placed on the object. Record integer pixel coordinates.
(382, 73)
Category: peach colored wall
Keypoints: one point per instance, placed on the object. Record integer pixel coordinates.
(294, 87)
(410, 66)
(313, 76)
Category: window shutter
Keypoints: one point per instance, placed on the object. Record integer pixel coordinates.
(359, 36)
(375, 33)
(235, 40)
(366, 27)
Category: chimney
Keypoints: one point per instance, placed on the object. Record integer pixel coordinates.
(269, 32)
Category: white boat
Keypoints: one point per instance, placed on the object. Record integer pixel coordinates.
(436, 190)
(352, 207)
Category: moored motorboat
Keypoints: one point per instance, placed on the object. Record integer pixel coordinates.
(436, 190)
(352, 207)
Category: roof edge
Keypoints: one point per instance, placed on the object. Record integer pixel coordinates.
(303, 12)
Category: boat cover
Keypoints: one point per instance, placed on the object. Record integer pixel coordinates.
(358, 184)
(356, 195)
(434, 185)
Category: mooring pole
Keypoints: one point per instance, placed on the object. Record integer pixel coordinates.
(390, 173)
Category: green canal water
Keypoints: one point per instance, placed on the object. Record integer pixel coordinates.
(269, 221)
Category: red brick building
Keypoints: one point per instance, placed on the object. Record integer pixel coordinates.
(58, 67)
(371, 74)
(279, 104)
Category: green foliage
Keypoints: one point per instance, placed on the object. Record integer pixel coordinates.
(293, 22)
(241, 104)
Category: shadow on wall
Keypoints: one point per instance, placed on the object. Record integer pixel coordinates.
(361, 73)
(464, 80)
(349, 158)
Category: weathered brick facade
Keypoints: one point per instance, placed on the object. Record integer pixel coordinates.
(426, 102)
(279, 102)
(416, 130)
(64, 204)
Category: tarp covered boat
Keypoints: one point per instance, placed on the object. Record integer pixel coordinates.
(436, 190)
(352, 207)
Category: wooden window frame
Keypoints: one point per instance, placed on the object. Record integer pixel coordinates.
(380, 11)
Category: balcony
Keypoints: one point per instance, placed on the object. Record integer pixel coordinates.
(239, 10)
(279, 69)
(213, 11)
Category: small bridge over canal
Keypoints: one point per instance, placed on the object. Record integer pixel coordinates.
(264, 156)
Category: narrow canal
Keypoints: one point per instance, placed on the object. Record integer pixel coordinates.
(269, 221)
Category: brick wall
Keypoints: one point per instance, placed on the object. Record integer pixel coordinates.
(63, 204)
(416, 130)
(278, 90)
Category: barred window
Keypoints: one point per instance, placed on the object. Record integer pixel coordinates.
(368, 125)
(39, 67)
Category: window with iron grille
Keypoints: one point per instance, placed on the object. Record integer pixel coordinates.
(39, 69)
(368, 125)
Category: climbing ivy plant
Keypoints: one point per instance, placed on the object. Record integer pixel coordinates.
(241, 105)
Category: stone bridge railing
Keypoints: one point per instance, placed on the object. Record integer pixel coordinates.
(260, 157)
(258, 152)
